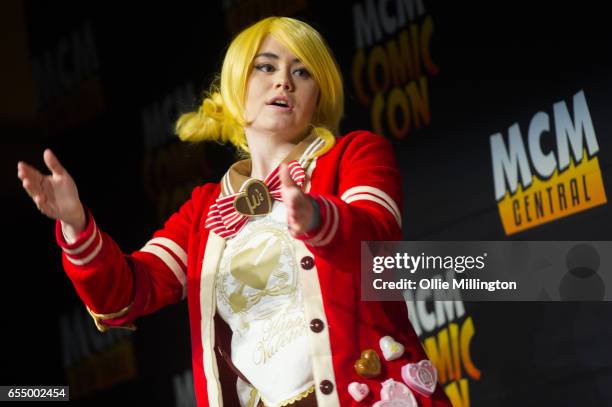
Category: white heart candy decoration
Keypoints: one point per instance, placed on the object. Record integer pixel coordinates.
(421, 377)
(358, 391)
(391, 349)
(395, 394)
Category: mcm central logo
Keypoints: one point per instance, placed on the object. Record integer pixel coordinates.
(534, 184)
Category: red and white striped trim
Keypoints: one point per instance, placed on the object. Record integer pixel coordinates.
(227, 185)
(85, 244)
(215, 224)
(166, 250)
(296, 172)
(308, 154)
(83, 254)
(225, 221)
(330, 225)
(368, 193)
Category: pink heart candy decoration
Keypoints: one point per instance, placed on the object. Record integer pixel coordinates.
(358, 391)
(420, 377)
(395, 394)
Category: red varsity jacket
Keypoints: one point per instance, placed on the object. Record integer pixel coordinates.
(358, 188)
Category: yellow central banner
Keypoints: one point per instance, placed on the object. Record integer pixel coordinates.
(576, 189)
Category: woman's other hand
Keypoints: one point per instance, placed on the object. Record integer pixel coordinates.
(55, 195)
(300, 207)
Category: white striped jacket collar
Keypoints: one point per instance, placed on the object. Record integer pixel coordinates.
(239, 173)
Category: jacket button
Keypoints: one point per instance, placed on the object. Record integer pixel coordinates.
(316, 325)
(326, 387)
(307, 262)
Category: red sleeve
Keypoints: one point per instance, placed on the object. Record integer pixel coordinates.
(367, 205)
(116, 287)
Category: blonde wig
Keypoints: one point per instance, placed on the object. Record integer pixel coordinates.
(220, 116)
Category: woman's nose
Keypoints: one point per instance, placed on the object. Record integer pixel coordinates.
(283, 80)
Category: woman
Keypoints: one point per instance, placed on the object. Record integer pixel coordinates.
(268, 257)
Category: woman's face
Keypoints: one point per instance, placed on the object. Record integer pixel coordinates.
(281, 95)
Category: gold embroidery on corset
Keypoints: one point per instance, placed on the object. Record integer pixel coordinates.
(248, 268)
(293, 399)
(279, 332)
(256, 271)
(252, 397)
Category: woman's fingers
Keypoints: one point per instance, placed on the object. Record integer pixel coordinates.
(30, 178)
(27, 185)
(25, 170)
(53, 163)
(285, 178)
(38, 186)
(54, 195)
(39, 200)
(40, 197)
(299, 207)
(45, 206)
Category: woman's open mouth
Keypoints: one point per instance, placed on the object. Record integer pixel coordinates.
(280, 103)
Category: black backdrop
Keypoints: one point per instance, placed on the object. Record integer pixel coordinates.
(104, 83)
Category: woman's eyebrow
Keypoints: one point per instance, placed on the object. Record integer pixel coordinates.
(273, 56)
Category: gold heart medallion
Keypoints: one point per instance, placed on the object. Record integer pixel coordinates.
(255, 200)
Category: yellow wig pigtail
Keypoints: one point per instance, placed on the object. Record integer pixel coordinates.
(211, 122)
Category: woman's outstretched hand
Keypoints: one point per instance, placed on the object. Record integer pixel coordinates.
(300, 209)
(55, 195)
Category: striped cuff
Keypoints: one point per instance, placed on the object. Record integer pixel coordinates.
(173, 256)
(368, 193)
(328, 224)
(87, 245)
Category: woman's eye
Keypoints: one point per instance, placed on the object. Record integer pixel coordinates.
(302, 72)
(264, 67)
